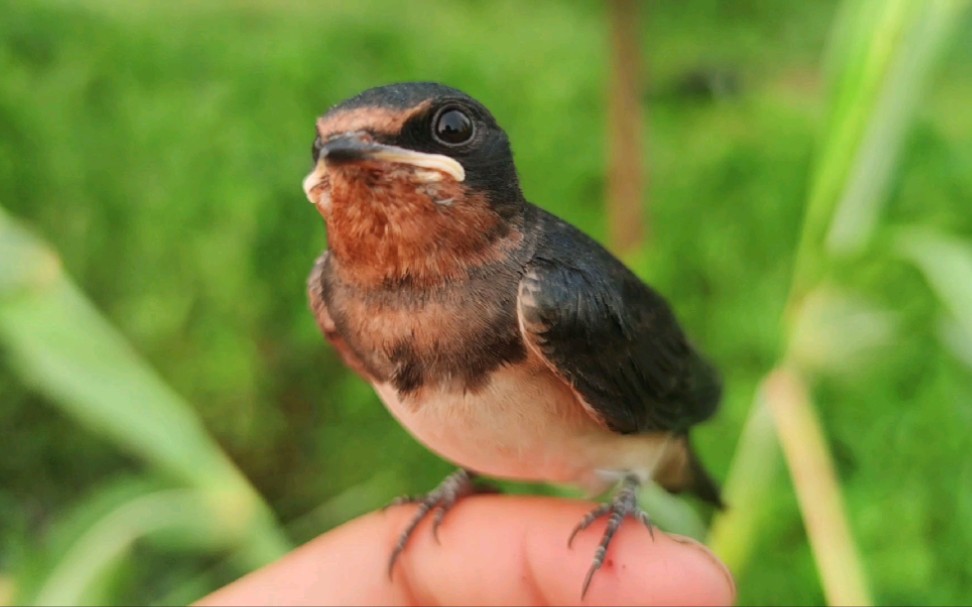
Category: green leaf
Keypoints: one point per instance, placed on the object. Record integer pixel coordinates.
(62, 346)
(956, 338)
(839, 332)
(84, 547)
(100, 548)
(879, 57)
(946, 263)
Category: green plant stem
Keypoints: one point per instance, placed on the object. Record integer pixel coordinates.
(817, 488)
(746, 490)
(865, 36)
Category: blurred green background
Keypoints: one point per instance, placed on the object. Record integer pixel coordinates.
(157, 148)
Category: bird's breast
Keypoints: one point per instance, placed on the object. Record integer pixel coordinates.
(451, 336)
(525, 424)
(522, 424)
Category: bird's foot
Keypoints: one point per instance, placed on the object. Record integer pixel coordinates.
(440, 500)
(624, 503)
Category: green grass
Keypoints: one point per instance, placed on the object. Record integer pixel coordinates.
(159, 149)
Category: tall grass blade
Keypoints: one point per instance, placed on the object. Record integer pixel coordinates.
(733, 533)
(62, 346)
(946, 263)
(859, 57)
(878, 59)
(881, 135)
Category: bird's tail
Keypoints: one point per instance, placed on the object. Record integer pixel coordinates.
(702, 484)
(684, 472)
(687, 472)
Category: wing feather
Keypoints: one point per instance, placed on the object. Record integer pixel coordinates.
(612, 338)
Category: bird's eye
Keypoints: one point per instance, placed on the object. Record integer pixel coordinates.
(453, 127)
(316, 148)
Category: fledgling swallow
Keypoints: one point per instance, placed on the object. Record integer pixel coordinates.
(503, 338)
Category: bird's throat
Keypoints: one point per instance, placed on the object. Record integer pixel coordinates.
(393, 232)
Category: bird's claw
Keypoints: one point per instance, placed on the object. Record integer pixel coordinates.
(624, 503)
(441, 500)
(401, 500)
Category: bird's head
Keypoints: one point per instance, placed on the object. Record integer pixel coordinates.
(415, 181)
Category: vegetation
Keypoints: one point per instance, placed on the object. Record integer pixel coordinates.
(166, 395)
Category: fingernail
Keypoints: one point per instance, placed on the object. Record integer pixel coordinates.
(684, 539)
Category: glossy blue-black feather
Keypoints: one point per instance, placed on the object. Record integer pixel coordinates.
(610, 336)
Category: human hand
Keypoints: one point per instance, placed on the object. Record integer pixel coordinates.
(493, 550)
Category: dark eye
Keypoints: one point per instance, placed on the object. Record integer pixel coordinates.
(453, 127)
(316, 148)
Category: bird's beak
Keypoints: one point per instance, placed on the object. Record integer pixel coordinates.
(352, 148)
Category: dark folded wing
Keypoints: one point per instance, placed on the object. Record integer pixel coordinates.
(615, 341)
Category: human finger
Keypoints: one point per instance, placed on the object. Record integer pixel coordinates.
(492, 550)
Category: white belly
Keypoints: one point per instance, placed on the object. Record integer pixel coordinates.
(525, 424)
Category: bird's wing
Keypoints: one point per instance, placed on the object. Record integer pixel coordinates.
(615, 341)
(318, 305)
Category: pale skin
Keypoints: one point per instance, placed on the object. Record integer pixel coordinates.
(492, 550)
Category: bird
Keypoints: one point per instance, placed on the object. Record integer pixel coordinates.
(503, 338)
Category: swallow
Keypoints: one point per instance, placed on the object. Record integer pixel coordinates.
(501, 337)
